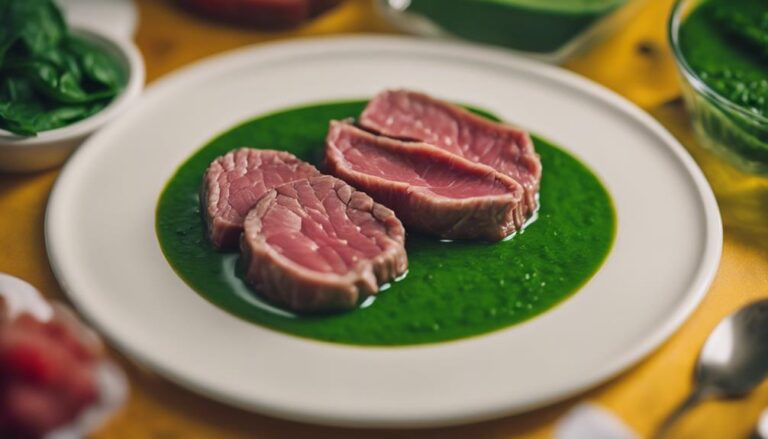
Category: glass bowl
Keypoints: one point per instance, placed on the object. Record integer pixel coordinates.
(550, 31)
(722, 126)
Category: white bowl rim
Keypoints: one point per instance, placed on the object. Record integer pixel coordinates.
(130, 92)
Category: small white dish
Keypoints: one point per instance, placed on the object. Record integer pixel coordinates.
(51, 148)
(101, 240)
(21, 297)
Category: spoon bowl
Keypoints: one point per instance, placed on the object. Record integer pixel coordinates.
(733, 361)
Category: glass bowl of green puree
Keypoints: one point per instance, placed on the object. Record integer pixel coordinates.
(721, 48)
(550, 30)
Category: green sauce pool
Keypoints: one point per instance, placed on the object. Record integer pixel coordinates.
(452, 290)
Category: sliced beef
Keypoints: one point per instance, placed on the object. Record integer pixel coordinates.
(235, 181)
(431, 190)
(319, 245)
(415, 116)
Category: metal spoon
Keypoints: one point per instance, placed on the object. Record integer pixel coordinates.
(733, 361)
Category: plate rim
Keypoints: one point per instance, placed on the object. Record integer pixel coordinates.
(702, 277)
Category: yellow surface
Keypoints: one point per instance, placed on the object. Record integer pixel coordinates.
(635, 62)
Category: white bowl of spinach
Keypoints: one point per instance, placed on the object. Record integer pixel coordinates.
(57, 86)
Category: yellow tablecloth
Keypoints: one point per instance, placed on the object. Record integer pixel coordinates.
(636, 62)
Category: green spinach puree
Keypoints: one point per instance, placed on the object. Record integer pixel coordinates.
(725, 42)
(452, 290)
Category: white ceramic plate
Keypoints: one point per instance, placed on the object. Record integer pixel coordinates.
(103, 248)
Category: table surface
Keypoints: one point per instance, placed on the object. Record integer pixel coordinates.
(636, 62)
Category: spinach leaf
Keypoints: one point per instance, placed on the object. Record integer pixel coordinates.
(16, 89)
(27, 118)
(96, 65)
(37, 24)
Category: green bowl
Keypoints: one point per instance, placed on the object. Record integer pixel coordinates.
(550, 30)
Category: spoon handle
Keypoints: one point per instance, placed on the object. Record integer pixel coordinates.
(696, 396)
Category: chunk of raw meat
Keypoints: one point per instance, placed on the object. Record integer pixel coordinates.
(416, 116)
(235, 181)
(319, 245)
(430, 190)
(47, 373)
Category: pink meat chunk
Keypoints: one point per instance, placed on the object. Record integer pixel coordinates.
(430, 190)
(235, 181)
(317, 245)
(415, 116)
(48, 372)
